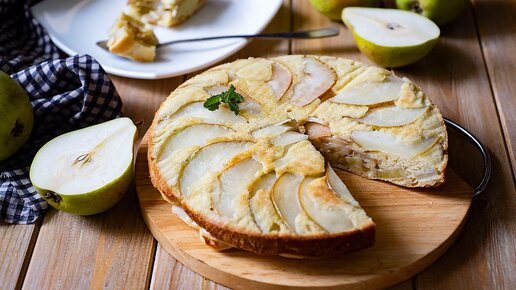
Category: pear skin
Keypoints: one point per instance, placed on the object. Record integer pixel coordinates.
(439, 11)
(333, 8)
(391, 57)
(16, 116)
(92, 202)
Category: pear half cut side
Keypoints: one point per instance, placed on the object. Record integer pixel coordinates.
(86, 171)
(389, 37)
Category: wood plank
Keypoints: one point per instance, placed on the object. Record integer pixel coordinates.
(109, 250)
(168, 273)
(407, 285)
(16, 247)
(454, 77)
(496, 22)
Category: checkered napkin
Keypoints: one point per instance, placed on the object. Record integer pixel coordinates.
(66, 94)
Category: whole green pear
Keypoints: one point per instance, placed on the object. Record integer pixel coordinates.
(16, 116)
(333, 8)
(439, 11)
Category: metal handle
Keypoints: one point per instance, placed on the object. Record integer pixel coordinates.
(483, 150)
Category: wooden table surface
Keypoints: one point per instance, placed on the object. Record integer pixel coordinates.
(470, 75)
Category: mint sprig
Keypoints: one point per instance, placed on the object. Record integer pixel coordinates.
(229, 97)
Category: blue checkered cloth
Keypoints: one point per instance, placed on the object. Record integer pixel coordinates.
(66, 94)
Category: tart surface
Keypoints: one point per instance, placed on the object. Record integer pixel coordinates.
(260, 180)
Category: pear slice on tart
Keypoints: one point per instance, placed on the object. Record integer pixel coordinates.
(370, 93)
(191, 136)
(390, 37)
(338, 187)
(289, 138)
(322, 206)
(273, 130)
(392, 116)
(233, 197)
(208, 160)
(86, 171)
(284, 198)
(318, 79)
(390, 143)
(280, 81)
(221, 116)
(261, 205)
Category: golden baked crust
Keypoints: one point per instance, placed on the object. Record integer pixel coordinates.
(284, 200)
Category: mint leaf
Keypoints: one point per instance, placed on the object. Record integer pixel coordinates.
(212, 103)
(230, 97)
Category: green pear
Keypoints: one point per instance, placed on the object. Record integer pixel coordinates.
(390, 37)
(439, 11)
(16, 116)
(333, 8)
(86, 171)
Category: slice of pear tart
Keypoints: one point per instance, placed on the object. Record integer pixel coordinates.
(259, 180)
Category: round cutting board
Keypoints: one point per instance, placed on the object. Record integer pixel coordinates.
(413, 228)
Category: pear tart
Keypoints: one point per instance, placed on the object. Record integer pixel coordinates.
(131, 38)
(262, 180)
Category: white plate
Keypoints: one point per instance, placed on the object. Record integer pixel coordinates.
(75, 26)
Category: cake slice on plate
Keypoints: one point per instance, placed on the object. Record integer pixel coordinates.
(132, 39)
(165, 13)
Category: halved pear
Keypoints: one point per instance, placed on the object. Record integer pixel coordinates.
(194, 135)
(280, 81)
(209, 159)
(370, 93)
(389, 143)
(232, 201)
(221, 116)
(285, 198)
(392, 116)
(86, 171)
(323, 206)
(390, 37)
(318, 79)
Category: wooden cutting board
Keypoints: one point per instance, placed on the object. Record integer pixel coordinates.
(414, 227)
